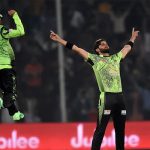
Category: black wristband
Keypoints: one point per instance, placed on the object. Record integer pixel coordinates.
(130, 43)
(69, 45)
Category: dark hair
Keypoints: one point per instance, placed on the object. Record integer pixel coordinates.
(97, 43)
(3, 13)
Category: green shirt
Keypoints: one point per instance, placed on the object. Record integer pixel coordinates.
(6, 51)
(107, 71)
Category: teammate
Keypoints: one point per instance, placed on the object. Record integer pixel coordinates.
(7, 58)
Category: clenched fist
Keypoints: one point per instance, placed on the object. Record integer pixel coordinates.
(11, 12)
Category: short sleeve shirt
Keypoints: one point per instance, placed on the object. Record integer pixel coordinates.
(107, 71)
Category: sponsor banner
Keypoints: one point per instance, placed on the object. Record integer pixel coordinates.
(69, 136)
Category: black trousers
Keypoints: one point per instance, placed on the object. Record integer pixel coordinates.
(8, 86)
(111, 105)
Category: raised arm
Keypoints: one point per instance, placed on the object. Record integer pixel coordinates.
(19, 31)
(127, 48)
(80, 51)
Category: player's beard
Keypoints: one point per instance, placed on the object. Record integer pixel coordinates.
(105, 51)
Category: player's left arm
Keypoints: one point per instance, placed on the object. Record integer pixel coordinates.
(19, 31)
(127, 48)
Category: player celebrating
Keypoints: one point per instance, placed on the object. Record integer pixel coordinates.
(107, 71)
(7, 58)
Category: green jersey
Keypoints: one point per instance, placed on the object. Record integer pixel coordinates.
(107, 71)
(6, 51)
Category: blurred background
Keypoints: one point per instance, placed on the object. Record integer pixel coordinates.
(56, 85)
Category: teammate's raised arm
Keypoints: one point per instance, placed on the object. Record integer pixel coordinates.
(12, 33)
(80, 51)
(127, 48)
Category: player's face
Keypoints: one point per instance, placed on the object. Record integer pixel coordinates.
(103, 46)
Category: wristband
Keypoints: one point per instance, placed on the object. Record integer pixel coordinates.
(130, 43)
(69, 45)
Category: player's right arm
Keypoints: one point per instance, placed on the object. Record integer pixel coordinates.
(78, 50)
(19, 31)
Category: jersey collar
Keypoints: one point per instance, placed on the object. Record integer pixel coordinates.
(104, 56)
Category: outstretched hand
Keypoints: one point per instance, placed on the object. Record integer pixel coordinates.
(134, 33)
(54, 36)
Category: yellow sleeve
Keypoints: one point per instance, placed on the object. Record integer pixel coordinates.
(19, 31)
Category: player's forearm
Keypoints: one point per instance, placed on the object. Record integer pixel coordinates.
(129, 44)
(128, 47)
(19, 26)
(73, 47)
(132, 39)
(62, 41)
